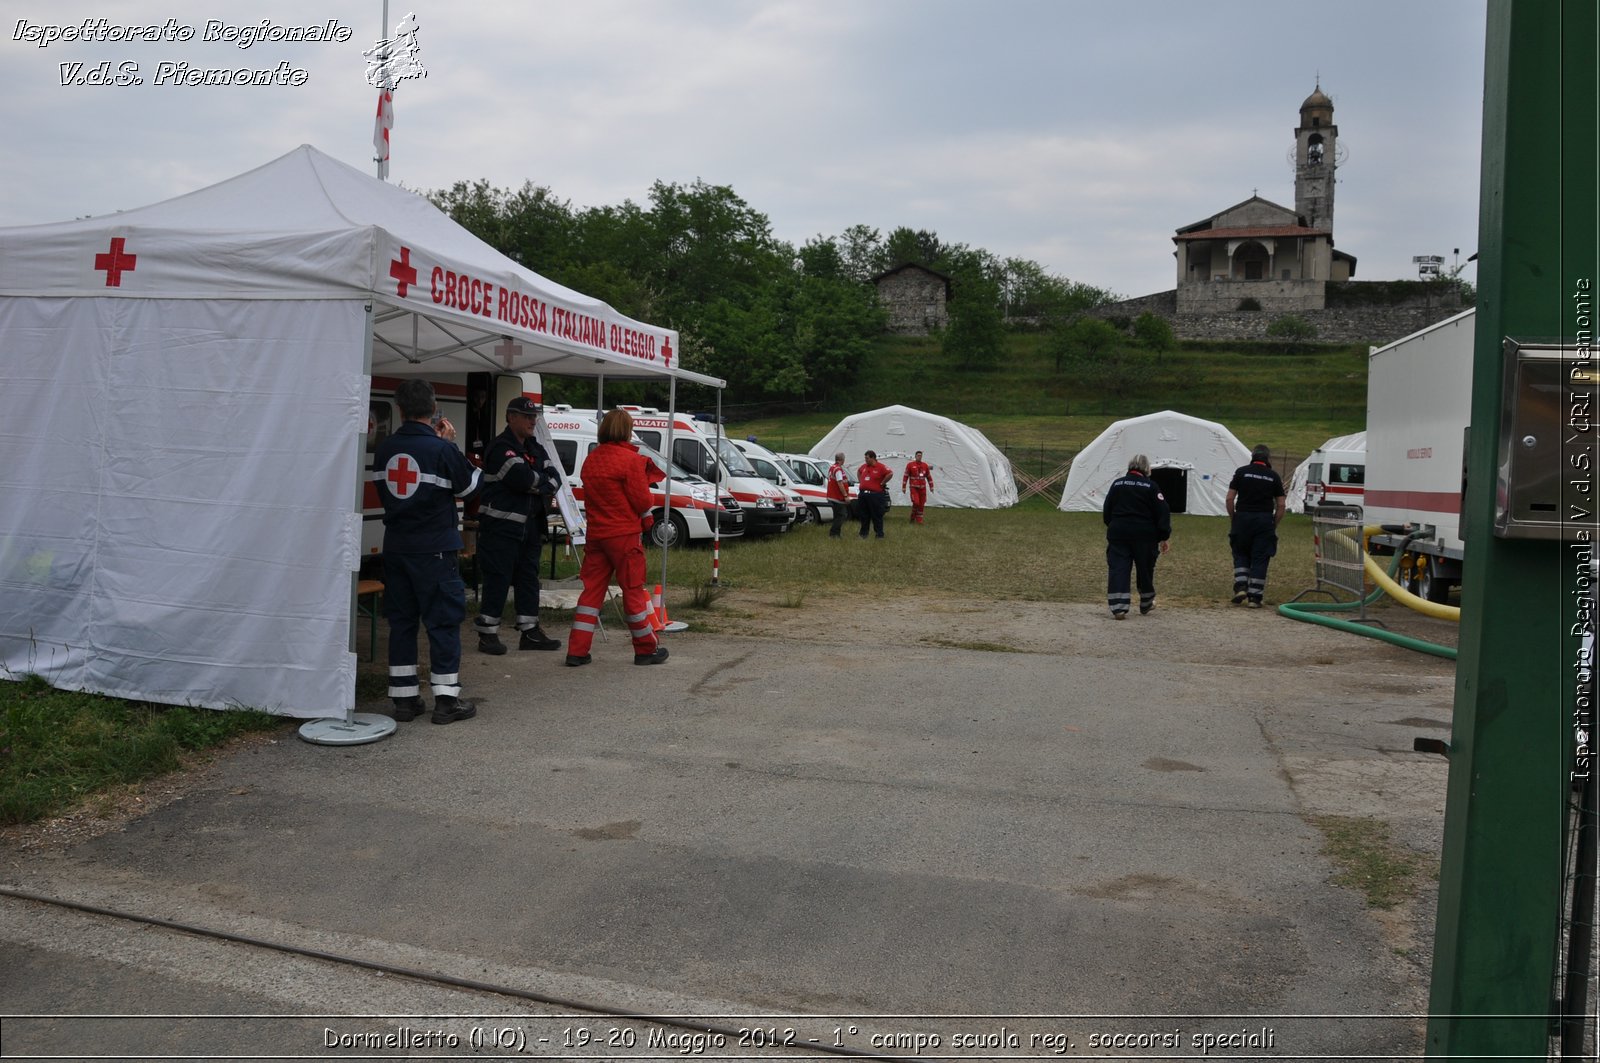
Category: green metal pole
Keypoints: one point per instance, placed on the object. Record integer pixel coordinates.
(1500, 881)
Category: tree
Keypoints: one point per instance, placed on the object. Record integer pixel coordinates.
(977, 332)
(1154, 332)
(1086, 342)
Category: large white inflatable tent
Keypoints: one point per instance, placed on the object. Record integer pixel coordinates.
(1191, 459)
(184, 413)
(969, 472)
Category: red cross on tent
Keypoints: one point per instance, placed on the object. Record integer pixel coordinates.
(509, 351)
(666, 351)
(403, 271)
(401, 476)
(114, 262)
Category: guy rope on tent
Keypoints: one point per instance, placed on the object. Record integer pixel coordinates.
(1028, 486)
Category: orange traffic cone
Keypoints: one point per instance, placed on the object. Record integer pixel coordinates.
(655, 610)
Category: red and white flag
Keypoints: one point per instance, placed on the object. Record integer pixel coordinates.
(380, 131)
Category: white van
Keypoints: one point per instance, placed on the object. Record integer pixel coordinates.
(767, 509)
(1336, 479)
(773, 468)
(694, 504)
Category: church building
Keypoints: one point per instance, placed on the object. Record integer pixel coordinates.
(1258, 250)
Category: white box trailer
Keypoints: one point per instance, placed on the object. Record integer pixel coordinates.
(1419, 399)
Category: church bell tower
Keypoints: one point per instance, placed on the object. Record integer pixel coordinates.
(1316, 144)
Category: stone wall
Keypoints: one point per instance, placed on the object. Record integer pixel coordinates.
(1275, 297)
(915, 301)
(1375, 325)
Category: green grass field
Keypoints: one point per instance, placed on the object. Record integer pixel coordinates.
(1292, 402)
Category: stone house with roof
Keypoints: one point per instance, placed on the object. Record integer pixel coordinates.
(916, 298)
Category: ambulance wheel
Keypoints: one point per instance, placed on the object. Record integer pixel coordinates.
(669, 532)
(1428, 583)
(809, 516)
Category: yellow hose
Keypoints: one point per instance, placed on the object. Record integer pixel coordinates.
(1399, 593)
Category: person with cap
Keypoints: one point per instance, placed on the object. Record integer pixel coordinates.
(518, 481)
(1255, 505)
(838, 493)
(1138, 526)
(917, 481)
(616, 504)
(873, 500)
(419, 474)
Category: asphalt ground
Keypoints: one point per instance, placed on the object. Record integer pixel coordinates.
(867, 846)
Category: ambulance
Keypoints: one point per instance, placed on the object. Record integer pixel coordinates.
(695, 513)
(768, 510)
(1336, 478)
(772, 467)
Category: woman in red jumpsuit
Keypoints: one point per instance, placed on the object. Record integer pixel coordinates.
(616, 502)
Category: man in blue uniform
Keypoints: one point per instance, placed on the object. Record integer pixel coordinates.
(1255, 504)
(419, 474)
(518, 481)
(1138, 524)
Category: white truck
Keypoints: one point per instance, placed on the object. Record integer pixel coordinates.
(1419, 398)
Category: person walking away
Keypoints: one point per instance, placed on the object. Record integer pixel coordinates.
(874, 478)
(838, 493)
(419, 474)
(1138, 526)
(616, 500)
(917, 481)
(518, 481)
(1255, 505)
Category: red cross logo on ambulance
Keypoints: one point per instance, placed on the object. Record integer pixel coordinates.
(401, 476)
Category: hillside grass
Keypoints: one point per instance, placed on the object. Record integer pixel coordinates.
(1039, 416)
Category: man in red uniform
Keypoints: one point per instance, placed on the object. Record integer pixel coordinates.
(875, 478)
(616, 503)
(838, 493)
(917, 481)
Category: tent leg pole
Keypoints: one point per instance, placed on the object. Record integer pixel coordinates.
(355, 728)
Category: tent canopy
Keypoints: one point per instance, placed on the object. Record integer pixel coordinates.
(969, 472)
(185, 409)
(1206, 452)
(306, 226)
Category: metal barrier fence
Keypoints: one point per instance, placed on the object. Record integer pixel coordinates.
(1337, 548)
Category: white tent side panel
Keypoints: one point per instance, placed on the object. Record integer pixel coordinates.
(968, 471)
(180, 477)
(1206, 449)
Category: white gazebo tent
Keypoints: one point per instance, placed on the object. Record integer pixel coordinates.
(184, 411)
(1193, 461)
(1295, 489)
(969, 472)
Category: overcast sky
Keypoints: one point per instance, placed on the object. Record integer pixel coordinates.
(1076, 134)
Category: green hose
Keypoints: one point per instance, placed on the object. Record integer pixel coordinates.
(1307, 611)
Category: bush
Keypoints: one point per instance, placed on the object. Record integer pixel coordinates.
(1292, 327)
(1249, 303)
(1154, 332)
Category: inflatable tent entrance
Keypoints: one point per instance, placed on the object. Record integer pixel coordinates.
(185, 406)
(1191, 459)
(968, 471)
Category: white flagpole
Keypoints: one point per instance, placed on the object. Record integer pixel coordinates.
(383, 55)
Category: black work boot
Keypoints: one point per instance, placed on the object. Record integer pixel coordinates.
(489, 642)
(408, 709)
(651, 658)
(536, 639)
(447, 709)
